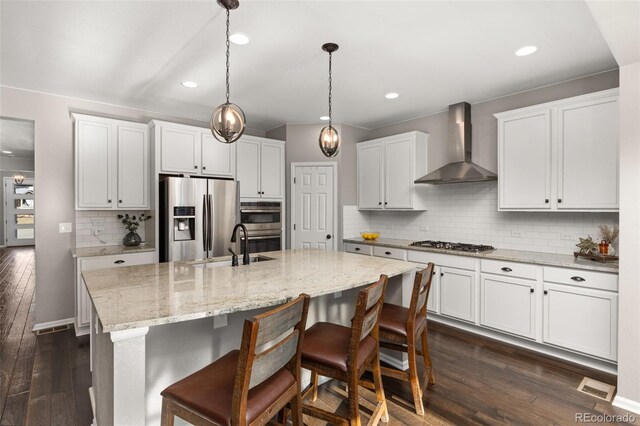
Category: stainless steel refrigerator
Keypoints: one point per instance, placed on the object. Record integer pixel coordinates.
(197, 217)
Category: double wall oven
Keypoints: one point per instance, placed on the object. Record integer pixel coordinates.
(264, 225)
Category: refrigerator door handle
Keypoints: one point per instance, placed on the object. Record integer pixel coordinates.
(204, 223)
(209, 219)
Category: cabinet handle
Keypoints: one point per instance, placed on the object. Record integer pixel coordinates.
(433, 273)
(385, 203)
(388, 253)
(546, 201)
(442, 274)
(117, 262)
(506, 269)
(108, 201)
(559, 200)
(531, 291)
(120, 201)
(357, 248)
(195, 167)
(578, 279)
(204, 167)
(545, 292)
(379, 203)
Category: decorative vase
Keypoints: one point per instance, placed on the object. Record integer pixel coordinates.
(131, 239)
(603, 248)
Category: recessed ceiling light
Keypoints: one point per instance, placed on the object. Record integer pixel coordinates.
(527, 50)
(7, 152)
(239, 38)
(324, 118)
(391, 95)
(190, 84)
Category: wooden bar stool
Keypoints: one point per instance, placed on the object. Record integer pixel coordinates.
(247, 386)
(399, 329)
(345, 353)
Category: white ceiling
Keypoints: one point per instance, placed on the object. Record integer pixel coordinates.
(135, 53)
(17, 136)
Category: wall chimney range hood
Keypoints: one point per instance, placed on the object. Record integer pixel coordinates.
(460, 168)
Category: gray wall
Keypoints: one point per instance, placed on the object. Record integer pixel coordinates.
(16, 163)
(54, 165)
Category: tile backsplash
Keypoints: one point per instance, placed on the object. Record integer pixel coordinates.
(468, 213)
(88, 221)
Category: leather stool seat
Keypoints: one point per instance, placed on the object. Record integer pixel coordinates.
(328, 344)
(393, 319)
(210, 391)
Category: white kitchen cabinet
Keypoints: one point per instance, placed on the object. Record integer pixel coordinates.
(112, 164)
(457, 293)
(218, 159)
(561, 155)
(358, 249)
(83, 301)
(508, 304)
(387, 169)
(260, 168)
(581, 319)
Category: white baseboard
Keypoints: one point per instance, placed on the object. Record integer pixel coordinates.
(626, 404)
(51, 324)
(394, 362)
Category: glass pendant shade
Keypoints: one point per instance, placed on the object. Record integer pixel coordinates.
(329, 141)
(227, 123)
(18, 177)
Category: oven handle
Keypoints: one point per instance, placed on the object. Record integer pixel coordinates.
(260, 210)
(263, 237)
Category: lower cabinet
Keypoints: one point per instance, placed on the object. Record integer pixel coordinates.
(508, 304)
(581, 319)
(83, 301)
(457, 293)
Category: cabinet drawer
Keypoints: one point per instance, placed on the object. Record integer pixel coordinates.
(390, 253)
(358, 248)
(511, 269)
(451, 261)
(102, 262)
(597, 280)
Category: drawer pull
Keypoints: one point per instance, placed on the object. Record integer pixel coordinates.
(357, 249)
(117, 262)
(442, 274)
(388, 253)
(506, 269)
(531, 291)
(578, 279)
(545, 292)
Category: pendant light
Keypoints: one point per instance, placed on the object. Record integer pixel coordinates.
(228, 120)
(18, 177)
(329, 139)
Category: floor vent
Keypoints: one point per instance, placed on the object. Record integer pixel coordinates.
(53, 329)
(598, 389)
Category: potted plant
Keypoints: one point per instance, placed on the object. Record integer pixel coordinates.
(132, 223)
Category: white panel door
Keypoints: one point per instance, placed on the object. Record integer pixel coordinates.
(457, 293)
(588, 155)
(314, 208)
(581, 319)
(248, 170)
(180, 150)
(95, 157)
(133, 167)
(272, 170)
(370, 171)
(398, 175)
(19, 213)
(508, 304)
(218, 159)
(524, 158)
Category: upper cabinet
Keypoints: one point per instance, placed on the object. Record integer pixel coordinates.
(388, 167)
(261, 167)
(112, 164)
(192, 150)
(560, 156)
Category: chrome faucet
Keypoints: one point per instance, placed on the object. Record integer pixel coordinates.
(244, 244)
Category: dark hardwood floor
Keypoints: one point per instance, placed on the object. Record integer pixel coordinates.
(44, 379)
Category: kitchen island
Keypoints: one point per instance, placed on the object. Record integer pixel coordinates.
(154, 324)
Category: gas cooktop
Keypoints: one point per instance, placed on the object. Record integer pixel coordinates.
(447, 245)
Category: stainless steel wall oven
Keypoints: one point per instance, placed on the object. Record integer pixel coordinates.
(263, 220)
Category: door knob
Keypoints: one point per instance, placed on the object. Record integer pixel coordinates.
(328, 236)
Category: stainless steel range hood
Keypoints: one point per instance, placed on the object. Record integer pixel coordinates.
(460, 168)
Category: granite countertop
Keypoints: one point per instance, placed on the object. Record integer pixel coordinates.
(162, 293)
(111, 250)
(548, 259)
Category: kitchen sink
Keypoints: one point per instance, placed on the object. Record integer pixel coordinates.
(226, 261)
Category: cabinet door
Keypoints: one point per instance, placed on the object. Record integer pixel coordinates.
(218, 159)
(524, 161)
(508, 304)
(248, 170)
(133, 167)
(433, 302)
(180, 150)
(457, 293)
(588, 155)
(584, 320)
(370, 167)
(398, 173)
(94, 164)
(271, 170)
